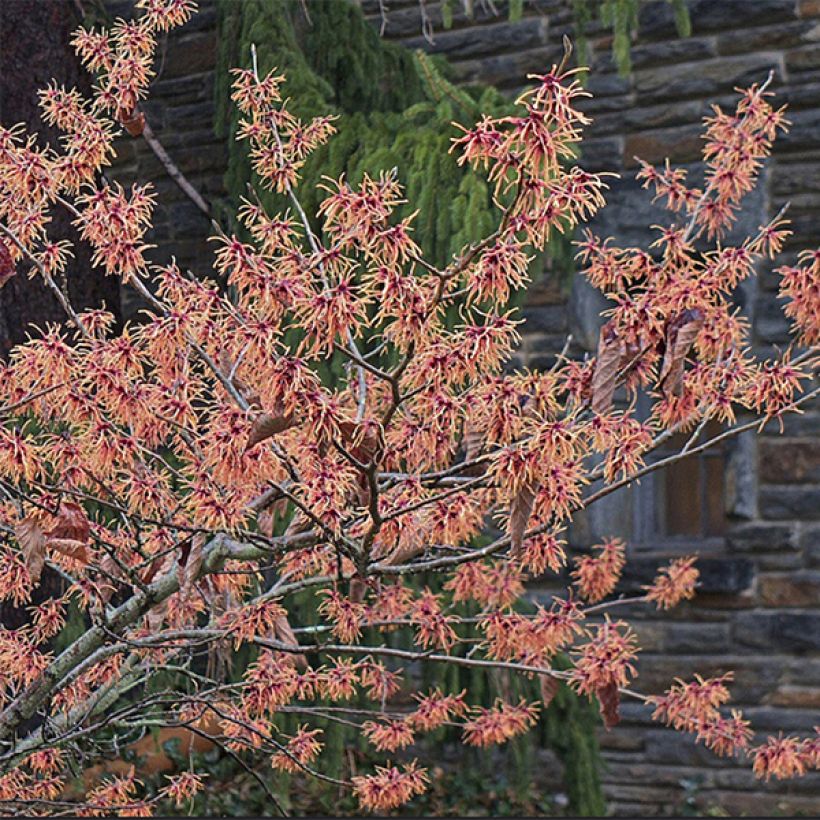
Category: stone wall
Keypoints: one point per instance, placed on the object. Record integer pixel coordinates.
(757, 612)
(181, 113)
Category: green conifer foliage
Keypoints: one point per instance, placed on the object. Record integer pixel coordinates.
(395, 109)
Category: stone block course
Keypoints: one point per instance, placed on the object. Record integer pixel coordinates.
(789, 630)
(481, 41)
(656, 18)
(706, 78)
(755, 675)
(639, 116)
(789, 502)
(758, 803)
(192, 54)
(648, 55)
(805, 697)
(784, 35)
(790, 460)
(719, 575)
(685, 638)
(810, 543)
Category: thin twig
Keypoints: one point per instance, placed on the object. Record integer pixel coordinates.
(173, 171)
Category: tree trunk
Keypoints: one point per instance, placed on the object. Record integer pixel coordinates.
(34, 48)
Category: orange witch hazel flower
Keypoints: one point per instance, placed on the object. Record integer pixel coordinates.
(389, 787)
(783, 757)
(606, 658)
(301, 749)
(685, 705)
(597, 576)
(435, 709)
(390, 736)
(500, 723)
(182, 787)
(694, 707)
(283, 485)
(674, 584)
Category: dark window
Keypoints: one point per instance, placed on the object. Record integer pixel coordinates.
(692, 489)
(684, 500)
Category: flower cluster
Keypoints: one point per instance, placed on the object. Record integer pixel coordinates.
(674, 583)
(694, 707)
(389, 787)
(499, 723)
(596, 576)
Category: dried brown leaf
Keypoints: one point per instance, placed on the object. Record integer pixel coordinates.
(266, 425)
(299, 523)
(408, 548)
(266, 519)
(549, 688)
(7, 267)
(159, 565)
(132, 120)
(106, 587)
(680, 336)
(363, 441)
(71, 523)
(361, 492)
(155, 616)
(78, 550)
(609, 699)
(220, 654)
(607, 367)
(357, 589)
(32, 541)
(264, 522)
(473, 444)
(189, 567)
(283, 632)
(226, 367)
(520, 510)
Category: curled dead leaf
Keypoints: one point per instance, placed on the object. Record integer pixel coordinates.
(473, 444)
(357, 589)
(7, 267)
(220, 656)
(283, 632)
(71, 523)
(408, 545)
(132, 120)
(32, 541)
(266, 519)
(77, 550)
(363, 440)
(105, 585)
(160, 563)
(681, 333)
(520, 510)
(155, 616)
(549, 688)
(299, 523)
(266, 425)
(609, 699)
(607, 366)
(226, 367)
(189, 566)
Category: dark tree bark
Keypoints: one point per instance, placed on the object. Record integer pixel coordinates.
(34, 48)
